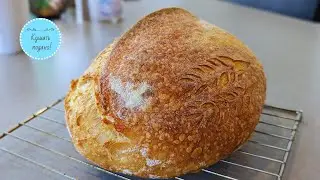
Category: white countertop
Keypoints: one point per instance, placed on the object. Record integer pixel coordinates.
(288, 48)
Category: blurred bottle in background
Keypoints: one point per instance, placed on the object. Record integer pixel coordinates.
(105, 10)
(82, 11)
(13, 15)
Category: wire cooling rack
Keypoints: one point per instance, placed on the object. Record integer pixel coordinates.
(40, 148)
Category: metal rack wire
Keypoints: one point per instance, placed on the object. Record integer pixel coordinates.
(42, 144)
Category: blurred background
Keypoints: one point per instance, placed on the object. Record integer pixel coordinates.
(14, 13)
(54, 9)
(111, 11)
(303, 9)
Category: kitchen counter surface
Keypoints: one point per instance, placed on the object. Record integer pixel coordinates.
(288, 48)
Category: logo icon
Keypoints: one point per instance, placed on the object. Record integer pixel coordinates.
(40, 38)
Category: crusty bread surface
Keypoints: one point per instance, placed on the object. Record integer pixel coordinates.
(172, 95)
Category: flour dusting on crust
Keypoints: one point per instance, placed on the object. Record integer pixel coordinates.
(152, 162)
(132, 97)
(129, 150)
(154, 176)
(127, 171)
(143, 152)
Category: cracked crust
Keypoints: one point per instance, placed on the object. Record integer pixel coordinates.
(205, 94)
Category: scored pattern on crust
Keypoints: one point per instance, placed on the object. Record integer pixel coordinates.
(220, 76)
(223, 72)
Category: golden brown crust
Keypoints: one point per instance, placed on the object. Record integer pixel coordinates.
(172, 95)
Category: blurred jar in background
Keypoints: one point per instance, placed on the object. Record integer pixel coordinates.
(13, 15)
(105, 10)
(50, 9)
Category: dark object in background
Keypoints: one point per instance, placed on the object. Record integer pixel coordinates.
(317, 13)
(50, 9)
(302, 9)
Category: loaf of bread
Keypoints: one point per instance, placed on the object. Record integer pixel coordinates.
(172, 95)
